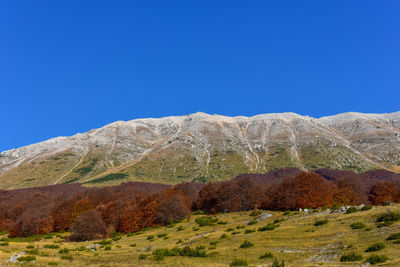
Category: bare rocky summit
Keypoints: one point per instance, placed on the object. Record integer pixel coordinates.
(203, 147)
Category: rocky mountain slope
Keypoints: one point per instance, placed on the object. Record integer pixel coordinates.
(202, 147)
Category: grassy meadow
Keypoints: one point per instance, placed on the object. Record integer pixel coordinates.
(319, 238)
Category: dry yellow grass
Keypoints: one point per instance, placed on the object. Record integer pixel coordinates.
(296, 240)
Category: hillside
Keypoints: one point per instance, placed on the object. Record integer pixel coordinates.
(202, 147)
(296, 240)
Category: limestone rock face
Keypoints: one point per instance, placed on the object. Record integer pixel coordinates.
(203, 147)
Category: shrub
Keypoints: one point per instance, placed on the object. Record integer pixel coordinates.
(386, 203)
(239, 262)
(255, 213)
(104, 242)
(249, 231)
(266, 255)
(277, 264)
(224, 236)
(142, 256)
(229, 230)
(286, 213)
(26, 258)
(222, 222)
(107, 248)
(240, 227)
(389, 217)
(162, 235)
(206, 221)
(374, 259)
(180, 228)
(268, 227)
(375, 247)
(52, 246)
(394, 236)
(357, 225)
(351, 210)
(214, 243)
(63, 251)
(150, 237)
(132, 245)
(30, 246)
(252, 222)
(195, 228)
(52, 263)
(320, 222)
(4, 244)
(351, 257)
(235, 233)
(246, 244)
(116, 238)
(365, 208)
(66, 257)
(32, 252)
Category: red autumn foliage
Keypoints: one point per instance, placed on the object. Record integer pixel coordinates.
(383, 191)
(306, 190)
(92, 213)
(88, 226)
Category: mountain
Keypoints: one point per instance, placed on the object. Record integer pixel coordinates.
(203, 147)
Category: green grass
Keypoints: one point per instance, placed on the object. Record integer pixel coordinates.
(296, 241)
(351, 257)
(246, 244)
(108, 178)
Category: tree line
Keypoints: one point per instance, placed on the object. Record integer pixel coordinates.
(92, 213)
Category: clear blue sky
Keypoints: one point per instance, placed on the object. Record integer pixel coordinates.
(71, 66)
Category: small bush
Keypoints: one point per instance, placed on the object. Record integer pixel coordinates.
(52, 263)
(278, 220)
(222, 222)
(357, 225)
(386, 203)
(107, 248)
(52, 246)
(268, 227)
(162, 235)
(214, 243)
(276, 263)
(351, 257)
(286, 213)
(180, 228)
(66, 257)
(365, 208)
(252, 222)
(206, 221)
(255, 213)
(394, 236)
(389, 217)
(104, 242)
(351, 210)
(229, 230)
(375, 247)
(142, 256)
(240, 227)
(4, 244)
(30, 246)
(116, 238)
(224, 236)
(249, 231)
(26, 258)
(235, 233)
(320, 222)
(195, 228)
(32, 252)
(374, 259)
(150, 237)
(239, 262)
(266, 255)
(246, 244)
(63, 251)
